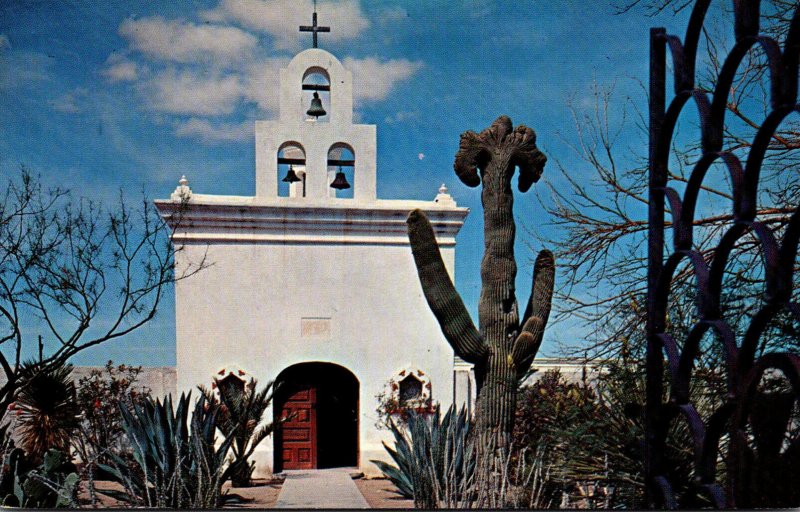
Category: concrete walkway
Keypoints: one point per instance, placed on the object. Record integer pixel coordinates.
(320, 488)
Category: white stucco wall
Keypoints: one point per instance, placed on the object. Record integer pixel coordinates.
(247, 307)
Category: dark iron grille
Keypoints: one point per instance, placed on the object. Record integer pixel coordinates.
(670, 361)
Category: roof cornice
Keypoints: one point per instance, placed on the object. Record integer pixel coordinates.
(238, 219)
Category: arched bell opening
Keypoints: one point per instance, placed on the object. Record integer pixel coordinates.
(318, 404)
(316, 102)
(341, 171)
(291, 170)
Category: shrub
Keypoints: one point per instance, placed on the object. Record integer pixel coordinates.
(392, 409)
(99, 395)
(46, 409)
(512, 477)
(590, 437)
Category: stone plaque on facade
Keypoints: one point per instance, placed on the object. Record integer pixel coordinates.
(315, 327)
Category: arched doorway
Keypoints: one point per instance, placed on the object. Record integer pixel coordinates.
(320, 401)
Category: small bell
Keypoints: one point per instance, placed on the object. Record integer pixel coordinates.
(316, 109)
(291, 176)
(340, 182)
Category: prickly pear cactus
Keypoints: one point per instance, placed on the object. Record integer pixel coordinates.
(504, 348)
(53, 484)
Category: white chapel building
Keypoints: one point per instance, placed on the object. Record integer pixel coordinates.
(313, 285)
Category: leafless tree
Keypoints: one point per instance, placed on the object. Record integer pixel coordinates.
(74, 274)
(601, 222)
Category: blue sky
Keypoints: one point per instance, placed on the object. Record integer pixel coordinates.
(103, 96)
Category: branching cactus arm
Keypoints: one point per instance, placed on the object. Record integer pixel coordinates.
(442, 297)
(536, 314)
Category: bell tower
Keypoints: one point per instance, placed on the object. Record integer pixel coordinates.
(315, 135)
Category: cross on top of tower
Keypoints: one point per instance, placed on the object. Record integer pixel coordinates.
(314, 29)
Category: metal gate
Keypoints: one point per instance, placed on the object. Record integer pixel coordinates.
(726, 482)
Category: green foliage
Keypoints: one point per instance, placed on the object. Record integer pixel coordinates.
(14, 463)
(240, 411)
(54, 484)
(178, 464)
(435, 463)
(592, 435)
(46, 409)
(99, 396)
(590, 442)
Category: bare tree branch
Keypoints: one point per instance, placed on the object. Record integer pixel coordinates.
(58, 262)
(601, 221)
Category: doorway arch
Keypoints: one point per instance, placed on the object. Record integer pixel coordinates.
(321, 402)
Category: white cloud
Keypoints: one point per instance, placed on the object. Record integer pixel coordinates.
(421, 156)
(402, 116)
(210, 134)
(71, 102)
(281, 19)
(374, 79)
(120, 69)
(213, 93)
(22, 68)
(204, 71)
(189, 92)
(391, 15)
(260, 83)
(180, 41)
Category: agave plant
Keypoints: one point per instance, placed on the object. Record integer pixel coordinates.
(435, 462)
(46, 409)
(179, 463)
(240, 411)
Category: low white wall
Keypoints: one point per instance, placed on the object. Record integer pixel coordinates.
(159, 380)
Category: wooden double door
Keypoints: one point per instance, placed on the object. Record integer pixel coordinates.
(317, 404)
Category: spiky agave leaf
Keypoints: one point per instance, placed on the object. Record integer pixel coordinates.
(433, 459)
(400, 479)
(179, 461)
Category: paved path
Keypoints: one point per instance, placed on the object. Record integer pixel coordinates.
(320, 488)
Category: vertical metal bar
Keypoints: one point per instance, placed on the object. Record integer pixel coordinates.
(655, 251)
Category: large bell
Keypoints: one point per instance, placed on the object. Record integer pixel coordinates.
(291, 176)
(316, 109)
(340, 182)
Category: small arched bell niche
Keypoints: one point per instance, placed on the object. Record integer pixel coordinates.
(231, 378)
(341, 170)
(410, 389)
(316, 84)
(232, 384)
(291, 157)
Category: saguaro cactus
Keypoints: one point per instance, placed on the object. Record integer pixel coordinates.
(503, 349)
